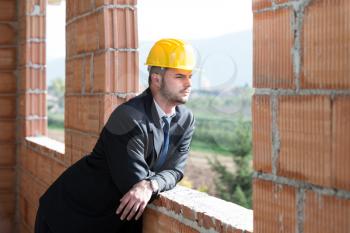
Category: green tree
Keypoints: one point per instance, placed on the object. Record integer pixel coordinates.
(56, 90)
(237, 186)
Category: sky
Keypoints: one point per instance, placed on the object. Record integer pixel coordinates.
(192, 19)
(187, 19)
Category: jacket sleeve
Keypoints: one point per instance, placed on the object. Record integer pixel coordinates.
(123, 142)
(175, 166)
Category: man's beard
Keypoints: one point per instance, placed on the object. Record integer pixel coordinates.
(170, 96)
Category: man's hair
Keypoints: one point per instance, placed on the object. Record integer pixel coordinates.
(157, 70)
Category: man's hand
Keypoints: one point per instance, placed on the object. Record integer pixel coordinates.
(135, 200)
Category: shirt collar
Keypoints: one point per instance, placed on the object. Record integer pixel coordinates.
(160, 111)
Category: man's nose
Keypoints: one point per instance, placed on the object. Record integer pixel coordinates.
(188, 81)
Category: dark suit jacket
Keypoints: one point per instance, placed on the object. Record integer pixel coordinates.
(85, 197)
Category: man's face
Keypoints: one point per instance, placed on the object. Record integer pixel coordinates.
(176, 85)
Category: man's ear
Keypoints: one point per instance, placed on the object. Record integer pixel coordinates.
(156, 79)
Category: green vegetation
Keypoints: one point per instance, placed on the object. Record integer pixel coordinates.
(236, 186)
(223, 126)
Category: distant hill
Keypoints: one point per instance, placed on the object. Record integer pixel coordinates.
(224, 61)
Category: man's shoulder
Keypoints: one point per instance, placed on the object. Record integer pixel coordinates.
(186, 115)
(128, 114)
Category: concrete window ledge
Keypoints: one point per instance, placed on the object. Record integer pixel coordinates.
(47, 146)
(186, 210)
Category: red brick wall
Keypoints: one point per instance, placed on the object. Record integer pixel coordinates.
(101, 68)
(8, 65)
(301, 116)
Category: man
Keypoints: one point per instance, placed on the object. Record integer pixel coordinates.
(141, 151)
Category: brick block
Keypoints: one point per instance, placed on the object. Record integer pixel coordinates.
(103, 72)
(44, 168)
(32, 127)
(272, 46)
(24, 228)
(156, 222)
(8, 154)
(91, 32)
(71, 7)
(262, 133)
(88, 85)
(71, 39)
(27, 212)
(29, 161)
(325, 46)
(7, 224)
(7, 205)
(304, 124)
(83, 113)
(109, 104)
(32, 27)
(326, 214)
(126, 69)
(7, 179)
(8, 131)
(8, 34)
(32, 104)
(75, 75)
(124, 28)
(274, 207)
(7, 10)
(87, 33)
(83, 6)
(32, 53)
(80, 144)
(7, 58)
(31, 78)
(261, 4)
(8, 107)
(105, 29)
(8, 82)
(340, 142)
(81, 35)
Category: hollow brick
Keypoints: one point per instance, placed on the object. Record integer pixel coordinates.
(274, 207)
(304, 124)
(7, 179)
(7, 10)
(8, 131)
(340, 143)
(8, 154)
(326, 45)
(8, 107)
(261, 4)
(326, 214)
(262, 133)
(8, 82)
(7, 58)
(8, 34)
(272, 46)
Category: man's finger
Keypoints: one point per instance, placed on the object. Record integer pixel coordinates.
(141, 209)
(127, 209)
(133, 211)
(123, 203)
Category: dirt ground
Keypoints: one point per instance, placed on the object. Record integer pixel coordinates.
(198, 173)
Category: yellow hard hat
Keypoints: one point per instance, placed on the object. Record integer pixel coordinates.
(172, 53)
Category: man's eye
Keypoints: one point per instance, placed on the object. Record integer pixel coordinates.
(179, 76)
